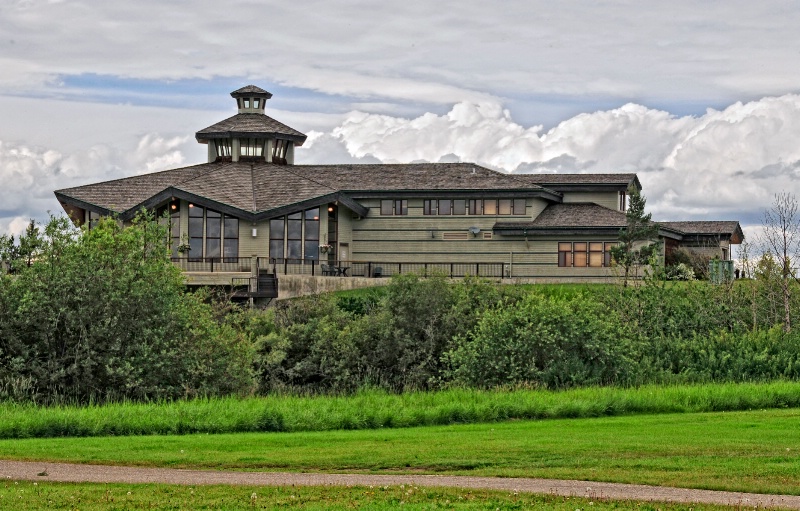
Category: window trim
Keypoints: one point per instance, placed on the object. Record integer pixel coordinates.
(572, 252)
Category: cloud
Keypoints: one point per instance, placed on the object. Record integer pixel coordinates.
(724, 164)
(30, 174)
(434, 52)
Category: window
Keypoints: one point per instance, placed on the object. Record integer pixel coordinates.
(490, 207)
(504, 207)
(429, 207)
(459, 207)
(295, 236)
(593, 254)
(475, 207)
(311, 234)
(212, 234)
(623, 200)
(94, 218)
(445, 207)
(223, 148)
(279, 150)
(276, 233)
(519, 206)
(394, 207)
(170, 216)
(247, 102)
(255, 103)
(251, 147)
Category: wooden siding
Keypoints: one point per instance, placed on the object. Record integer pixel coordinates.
(607, 199)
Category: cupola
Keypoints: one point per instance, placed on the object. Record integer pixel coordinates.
(251, 135)
(251, 99)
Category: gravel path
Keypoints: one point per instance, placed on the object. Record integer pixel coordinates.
(19, 470)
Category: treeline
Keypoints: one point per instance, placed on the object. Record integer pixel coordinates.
(102, 315)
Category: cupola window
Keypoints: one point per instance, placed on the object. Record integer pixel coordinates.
(223, 147)
(252, 147)
(279, 151)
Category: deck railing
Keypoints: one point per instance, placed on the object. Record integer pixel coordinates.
(213, 264)
(352, 268)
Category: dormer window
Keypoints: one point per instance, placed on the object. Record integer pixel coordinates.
(247, 102)
(255, 102)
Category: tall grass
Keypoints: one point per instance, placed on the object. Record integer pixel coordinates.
(372, 409)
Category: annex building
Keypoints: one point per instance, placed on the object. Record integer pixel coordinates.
(249, 209)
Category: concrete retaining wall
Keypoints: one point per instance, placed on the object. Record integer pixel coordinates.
(292, 286)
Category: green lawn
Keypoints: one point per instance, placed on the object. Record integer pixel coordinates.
(757, 451)
(93, 497)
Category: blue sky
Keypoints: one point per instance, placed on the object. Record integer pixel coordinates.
(700, 99)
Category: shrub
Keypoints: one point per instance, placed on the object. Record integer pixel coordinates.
(555, 343)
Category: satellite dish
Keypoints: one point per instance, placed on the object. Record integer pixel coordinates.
(475, 230)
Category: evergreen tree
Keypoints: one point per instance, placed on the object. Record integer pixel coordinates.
(636, 246)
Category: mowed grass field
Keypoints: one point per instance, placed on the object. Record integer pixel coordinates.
(753, 451)
(95, 497)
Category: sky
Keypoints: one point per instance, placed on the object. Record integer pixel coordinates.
(700, 99)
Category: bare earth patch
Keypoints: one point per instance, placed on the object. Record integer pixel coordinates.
(65, 472)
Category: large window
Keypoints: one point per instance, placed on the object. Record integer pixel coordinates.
(295, 236)
(279, 151)
(580, 254)
(212, 234)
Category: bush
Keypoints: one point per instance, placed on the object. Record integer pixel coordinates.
(554, 343)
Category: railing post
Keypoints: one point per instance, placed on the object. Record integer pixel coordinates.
(400, 268)
(477, 269)
(212, 265)
(369, 269)
(312, 267)
(451, 270)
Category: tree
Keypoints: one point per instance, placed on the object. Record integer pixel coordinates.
(781, 240)
(102, 314)
(635, 247)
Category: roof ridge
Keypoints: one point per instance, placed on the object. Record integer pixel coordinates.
(147, 174)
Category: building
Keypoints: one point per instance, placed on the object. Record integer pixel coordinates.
(250, 208)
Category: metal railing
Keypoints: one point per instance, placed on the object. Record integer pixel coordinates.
(213, 264)
(353, 268)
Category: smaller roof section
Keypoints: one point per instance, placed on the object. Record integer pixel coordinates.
(720, 229)
(251, 91)
(572, 217)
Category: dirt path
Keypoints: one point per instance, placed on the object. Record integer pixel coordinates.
(65, 472)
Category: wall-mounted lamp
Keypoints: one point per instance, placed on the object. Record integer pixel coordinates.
(255, 232)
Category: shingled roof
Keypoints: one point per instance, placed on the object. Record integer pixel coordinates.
(252, 90)
(250, 125)
(576, 182)
(253, 191)
(727, 229)
(568, 217)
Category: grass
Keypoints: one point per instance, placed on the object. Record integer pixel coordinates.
(757, 451)
(379, 410)
(93, 497)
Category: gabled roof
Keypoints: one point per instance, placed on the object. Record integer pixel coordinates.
(582, 182)
(254, 191)
(250, 124)
(568, 217)
(726, 229)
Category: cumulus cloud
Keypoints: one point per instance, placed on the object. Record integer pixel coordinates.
(30, 174)
(724, 164)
